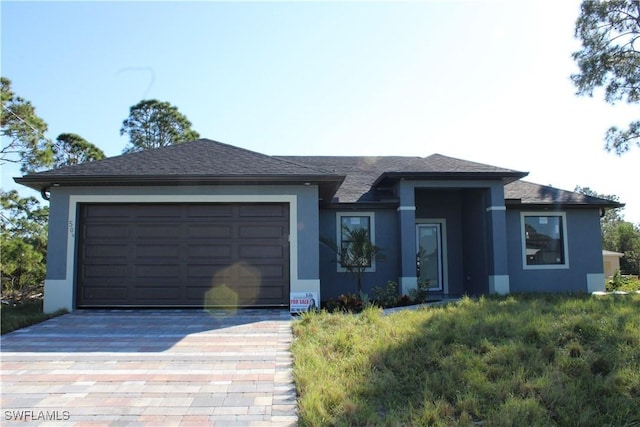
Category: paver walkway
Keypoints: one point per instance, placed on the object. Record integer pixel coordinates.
(150, 367)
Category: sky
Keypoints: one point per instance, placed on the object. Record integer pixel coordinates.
(485, 81)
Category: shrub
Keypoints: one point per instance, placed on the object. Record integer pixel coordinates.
(404, 300)
(388, 295)
(620, 282)
(345, 302)
(420, 294)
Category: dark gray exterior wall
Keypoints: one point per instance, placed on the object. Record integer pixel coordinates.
(469, 218)
(476, 232)
(308, 227)
(334, 283)
(461, 209)
(471, 212)
(474, 205)
(584, 254)
(307, 218)
(475, 248)
(495, 213)
(58, 233)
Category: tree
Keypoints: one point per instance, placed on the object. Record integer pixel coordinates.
(356, 252)
(152, 124)
(72, 149)
(617, 234)
(610, 58)
(24, 132)
(611, 215)
(625, 239)
(611, 219)
(23, 237)
(27, 143)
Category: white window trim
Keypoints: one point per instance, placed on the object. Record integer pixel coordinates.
(565, 242)
(372, 225)
(292, 200)
(443, 237)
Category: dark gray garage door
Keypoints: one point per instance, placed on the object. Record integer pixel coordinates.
(183, 255)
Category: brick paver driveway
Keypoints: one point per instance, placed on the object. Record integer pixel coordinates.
(151, 367)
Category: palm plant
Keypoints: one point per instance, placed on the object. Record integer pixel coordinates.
(356, 252)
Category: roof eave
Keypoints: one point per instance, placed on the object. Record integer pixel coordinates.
(505, 177)
(328, 184)
(516, 203)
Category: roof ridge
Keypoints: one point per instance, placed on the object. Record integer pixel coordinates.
(343, 156)
(129, 154)
(314, 168)
(235, 147)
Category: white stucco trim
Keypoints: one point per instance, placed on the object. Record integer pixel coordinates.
(499, 284)
(595, 282)
(58, 295)
(63, 294)
(445, 250)
(407, 284)
(372, 227)
(565, 241)
(496, 208)
(405, 208)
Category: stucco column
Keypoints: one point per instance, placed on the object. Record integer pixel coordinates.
(498, 267)
(407, 221)
(59, 289)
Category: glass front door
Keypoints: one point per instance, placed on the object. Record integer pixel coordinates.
(429, 240)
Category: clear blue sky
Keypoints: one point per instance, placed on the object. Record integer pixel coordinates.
(485, 81)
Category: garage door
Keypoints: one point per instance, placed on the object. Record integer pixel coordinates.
(183, 255)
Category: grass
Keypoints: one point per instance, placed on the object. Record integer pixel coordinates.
(23, 314)
(496, 361)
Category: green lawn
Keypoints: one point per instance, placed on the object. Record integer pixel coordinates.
(23, 314)
(497, 361)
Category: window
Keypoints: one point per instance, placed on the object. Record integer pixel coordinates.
(545, 242)
(351, 251)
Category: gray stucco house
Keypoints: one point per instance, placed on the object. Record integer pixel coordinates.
(209, 224)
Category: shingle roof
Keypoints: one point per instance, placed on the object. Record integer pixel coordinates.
(202, 161)
(380, 164)
(364, 172)
(360, 172)
(528, 193)
(351, 178)
(202, 157)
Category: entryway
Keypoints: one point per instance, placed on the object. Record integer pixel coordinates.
(431, 254)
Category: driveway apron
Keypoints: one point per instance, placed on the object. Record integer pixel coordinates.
(151, 367)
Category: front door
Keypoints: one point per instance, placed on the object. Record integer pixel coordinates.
(429, 240)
